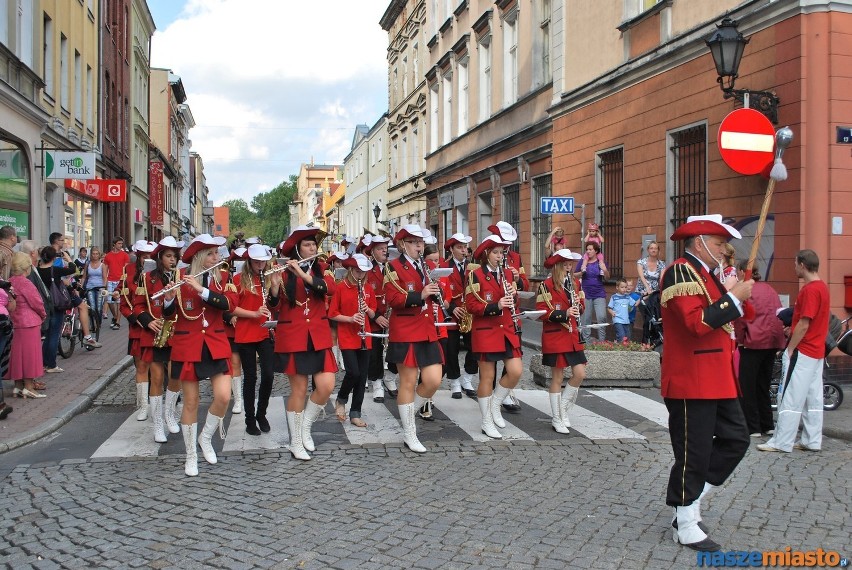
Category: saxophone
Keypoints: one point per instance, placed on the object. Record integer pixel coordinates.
(161, 340)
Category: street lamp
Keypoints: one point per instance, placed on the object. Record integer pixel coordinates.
(727, 45)
(377, 211)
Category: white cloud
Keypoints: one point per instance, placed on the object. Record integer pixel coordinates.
(274, 83)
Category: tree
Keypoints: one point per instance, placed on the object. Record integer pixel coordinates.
(273, 210)
(240, 215)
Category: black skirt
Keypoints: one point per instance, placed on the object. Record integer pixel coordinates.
(207, 368)
(415, 354)
(563, 359)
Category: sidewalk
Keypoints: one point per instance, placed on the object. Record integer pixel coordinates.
(68, 393)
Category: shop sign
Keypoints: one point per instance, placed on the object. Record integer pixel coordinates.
(156, 194)
(18, 220)
(61, 164)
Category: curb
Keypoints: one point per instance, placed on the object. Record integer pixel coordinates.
(77, 406)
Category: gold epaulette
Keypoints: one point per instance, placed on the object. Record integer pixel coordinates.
(521, 271)
(686, 282)
(140, 290)
(471, 267)
(230, 287)
(125, 291)
(391, 277)
(543, 294)
(473, 287)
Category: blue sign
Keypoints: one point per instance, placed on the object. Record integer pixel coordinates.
(552, 205)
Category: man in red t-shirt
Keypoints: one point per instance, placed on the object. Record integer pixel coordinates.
(115, 260)
(802, 364)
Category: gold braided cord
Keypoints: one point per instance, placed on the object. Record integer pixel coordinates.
(473, 288)
(392, 278)
(547, 297)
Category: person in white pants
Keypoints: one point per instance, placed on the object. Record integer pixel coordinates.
(802, 364)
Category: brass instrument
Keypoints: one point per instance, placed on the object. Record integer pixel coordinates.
(161, 339)
(178, 284)
(466, 321)
(283, 266)
(515, 316)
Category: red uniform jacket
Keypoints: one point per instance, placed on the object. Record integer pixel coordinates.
(308, 318)
(456, 283)
(191, 334)
(412, 317)
(375, 281)
(345, 302)
(514, 260)
(127, 291)
(147, 309)
(248, 330)
(560, 332)
(698, 353)
(444, 283)
(492, 326)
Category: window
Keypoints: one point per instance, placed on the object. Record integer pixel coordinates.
(541, 188)
(395, 160)
(403, 155)
(90, 100)
(373, 154)
(4, 22)
(380, 149)
(633, 8)
(49, 80)
(108, 114)
(484, 79)
(512, 207)
(510, 58)
(404, 77)
(436, 20)
(687, 179)
(78, 87)
(463, 96)
(448, 108)
(63, 71)
(611, 208)
(433, 114)
(415, 149)
(25, 31)
(415, 62)
(544, 73)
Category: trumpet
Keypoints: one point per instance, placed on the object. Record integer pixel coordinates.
(283, 266)
(515, 316)
(178, 284)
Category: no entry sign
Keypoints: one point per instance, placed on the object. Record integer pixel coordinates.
(747, 141)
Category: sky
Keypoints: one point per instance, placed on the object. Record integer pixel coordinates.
(272, 84)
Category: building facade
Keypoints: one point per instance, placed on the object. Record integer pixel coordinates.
(313, 182)
(366, 174)
(141, 29)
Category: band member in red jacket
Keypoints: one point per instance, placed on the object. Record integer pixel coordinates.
(457, 261)
(254, 342)
(353, 307)
(303, 335)
(708, 431)
(236, 258)
(200, 348)
(508, 234)
(129, 282)
(148, 310)
(376, 247)
(490, 297)
(413, 342)
(561, 344)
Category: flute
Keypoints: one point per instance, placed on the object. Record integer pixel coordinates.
(282, 267)
(178, 284)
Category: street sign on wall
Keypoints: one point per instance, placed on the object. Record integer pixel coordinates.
(554, 205)
(747, 141)
(62, 164)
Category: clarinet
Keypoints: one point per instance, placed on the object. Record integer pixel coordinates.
(568, 285)
(515, 317)
(439, 297)
(362, 308)
(263, 302)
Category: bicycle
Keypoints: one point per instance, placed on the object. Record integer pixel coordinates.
(72, 333)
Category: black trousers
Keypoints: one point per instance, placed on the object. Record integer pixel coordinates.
(355, 380)
(755, 377)
(451, 356)
(376, 367)
(709, 438)
(250, 352)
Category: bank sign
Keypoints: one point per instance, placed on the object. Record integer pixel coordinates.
(58, 164)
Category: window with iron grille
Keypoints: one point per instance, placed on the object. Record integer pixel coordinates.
(512, 207)
(541, 188)
(688, 177)
(611, 209)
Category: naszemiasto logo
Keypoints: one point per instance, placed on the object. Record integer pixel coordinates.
(74, 166)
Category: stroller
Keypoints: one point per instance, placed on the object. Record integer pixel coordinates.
(652, 329)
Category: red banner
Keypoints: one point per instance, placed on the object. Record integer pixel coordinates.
(99, 189)
(113, 190)
(156, 195)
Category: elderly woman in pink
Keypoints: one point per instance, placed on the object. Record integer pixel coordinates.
(25, 361)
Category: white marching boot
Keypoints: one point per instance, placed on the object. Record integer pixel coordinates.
(191, 465)
(237, 390)
(142, 401)
(312, 412)
(455, 389)
(467, 386)
(156, 403)
(556, 409)
(294, 424)
(409, 429)
(496, 399)
(488, 427)
(390, 386)
(569, 396)
(205, 440)
(170, 411)
(688, 533)
(378, 391)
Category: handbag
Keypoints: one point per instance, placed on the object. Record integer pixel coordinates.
(59, 295)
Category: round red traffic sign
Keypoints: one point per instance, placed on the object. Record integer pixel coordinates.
(747, 141)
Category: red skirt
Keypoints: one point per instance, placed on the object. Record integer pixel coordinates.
(134, 347)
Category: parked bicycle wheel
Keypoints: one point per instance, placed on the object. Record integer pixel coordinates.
(832, 396)
(68, 336)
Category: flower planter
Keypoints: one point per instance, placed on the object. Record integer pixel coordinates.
(608, 369)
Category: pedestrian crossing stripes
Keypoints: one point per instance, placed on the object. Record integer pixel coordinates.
(598, 415)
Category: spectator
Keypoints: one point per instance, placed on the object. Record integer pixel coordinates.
(556, 241)
(759, 340)
(8, 240)
(802, 363)
(619, 308)
(729, 270)
(63, 258)
(7, 304)
(648, 269)
(592, 271)
(30, 248)
(115, 260)
(25, 365)
(82, 258)
(594, 234)
(94, 279)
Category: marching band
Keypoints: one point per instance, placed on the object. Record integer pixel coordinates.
(402, 307)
